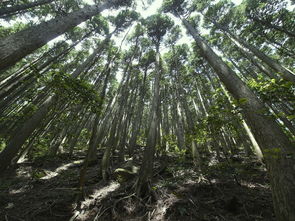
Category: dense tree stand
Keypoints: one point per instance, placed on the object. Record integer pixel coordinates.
(135, 110)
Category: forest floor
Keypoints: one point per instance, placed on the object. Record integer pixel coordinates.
(46, 190)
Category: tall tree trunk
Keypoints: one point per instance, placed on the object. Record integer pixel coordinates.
(94, 135)
(264, 69)
(138, 117)
(74, 138)
(17, 46)
(54, 148)
(191, 129)
(178, 124)
(272, 26)
(284, 72)
(20, 79)
(21, 136)
(255, 145)
(146, 168)
(278, 150)
(92, 145)
(9, 11)
(112, 142)
(31, 124)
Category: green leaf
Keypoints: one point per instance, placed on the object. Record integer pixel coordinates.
(291, 117)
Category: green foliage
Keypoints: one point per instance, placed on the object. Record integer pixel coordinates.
(121, 3)
(124, 19)
(138, 31)
(174, 35)
(83, 139)
(157, 25)
(99, 24)
(274, 153)
(172, 6)
(37, 174)
(273, 90)
(2, 144)
(171, 141)
(291, 117)
(221, 114)
(16, 27)
(148, 58)
(199, 5)
(40, 149)
(241, 101)
(274, 11)
(177, 57)
(76, 91)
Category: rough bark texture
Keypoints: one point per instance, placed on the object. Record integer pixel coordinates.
(4, 12)
(17, 46)
(279, 152)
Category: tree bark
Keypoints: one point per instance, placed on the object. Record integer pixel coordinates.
(272, 26)
(21, 135)
(279, 151)
(146, 168)
(17, 46)
(138, 118)
(9, 11)
(284, 72)
(31, 124)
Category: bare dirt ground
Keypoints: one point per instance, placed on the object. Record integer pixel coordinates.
(47, 190)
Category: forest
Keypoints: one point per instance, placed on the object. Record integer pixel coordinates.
(147, 110)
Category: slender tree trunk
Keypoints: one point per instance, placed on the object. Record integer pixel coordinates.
(146, 169)
(191, 129)
(22, 155)
(255, 145)
(263, 69)
(178, 126)
(278, 150)
(55, 147)
(279, 46)
(284, 72)
(94, 135)
(8, 11)
(126, 123)
(28, 78)
(272, 26)
(89, 62)
(17, 46)
(10, 99)
(284, 119)
(190, 123)
(92, 145)
(138, 118)
(111, 139)
(21, 136)
(73, 140)
(112, 142)
(30, 125)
